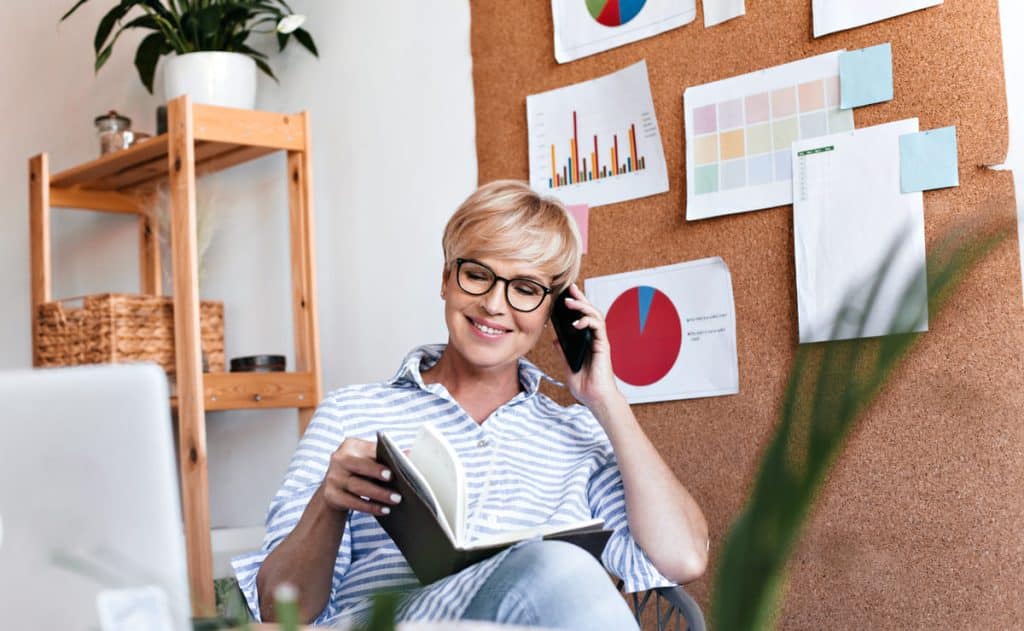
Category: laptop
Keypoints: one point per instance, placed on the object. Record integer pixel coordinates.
(91, 534)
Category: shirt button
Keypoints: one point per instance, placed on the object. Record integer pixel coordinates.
(482, 443)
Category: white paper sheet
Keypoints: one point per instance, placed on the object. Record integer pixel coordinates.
(574, 129)
(838, 15)
(586, 27)
(854, 232)
(718, 11)
(672, 330)
(739, 131)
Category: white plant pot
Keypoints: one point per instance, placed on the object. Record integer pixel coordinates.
(212, 78)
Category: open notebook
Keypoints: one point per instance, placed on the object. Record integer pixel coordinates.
(429, 525)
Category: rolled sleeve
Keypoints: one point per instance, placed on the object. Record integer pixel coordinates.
(623, 556)
(305, 474)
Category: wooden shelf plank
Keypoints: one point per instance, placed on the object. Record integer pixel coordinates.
(249, 390)
(151, 150)
(258, 390)
(109, 201)
(249, 127)
(224, 137)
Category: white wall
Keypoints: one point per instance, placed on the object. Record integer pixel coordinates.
(1011, 13)
(394, 153)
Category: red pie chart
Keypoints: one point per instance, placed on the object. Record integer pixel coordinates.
(645, 333)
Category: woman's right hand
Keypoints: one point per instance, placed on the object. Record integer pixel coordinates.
(351, 480)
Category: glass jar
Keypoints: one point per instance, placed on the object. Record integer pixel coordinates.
(114, 131)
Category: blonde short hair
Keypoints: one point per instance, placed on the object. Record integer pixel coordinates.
(506, 219)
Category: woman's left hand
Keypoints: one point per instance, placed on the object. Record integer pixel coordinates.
(595, 383)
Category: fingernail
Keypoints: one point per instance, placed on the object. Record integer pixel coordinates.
(385, 474)
(396, 498)
(577, 323)
(385, 511)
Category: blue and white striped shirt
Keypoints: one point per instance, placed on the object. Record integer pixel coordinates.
(532, 462)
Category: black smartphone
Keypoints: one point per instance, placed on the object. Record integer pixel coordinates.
(575, 342)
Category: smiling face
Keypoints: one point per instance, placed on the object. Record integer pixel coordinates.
(516, 233)
(484, 330)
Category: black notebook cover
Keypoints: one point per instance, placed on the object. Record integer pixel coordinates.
(419, 535)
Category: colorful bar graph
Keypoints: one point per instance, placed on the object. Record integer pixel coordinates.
(579, 168)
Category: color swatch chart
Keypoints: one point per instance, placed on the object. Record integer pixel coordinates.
(739, 132)
(576, 169)
(597, 142)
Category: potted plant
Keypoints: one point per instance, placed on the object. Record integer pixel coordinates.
(212, 61)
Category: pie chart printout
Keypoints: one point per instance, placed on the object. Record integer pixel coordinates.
(614, 12)
(645, 333)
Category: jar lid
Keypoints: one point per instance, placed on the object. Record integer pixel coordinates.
(254, 363)
(113, 116)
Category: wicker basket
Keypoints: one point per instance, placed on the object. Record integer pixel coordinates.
(114, 328)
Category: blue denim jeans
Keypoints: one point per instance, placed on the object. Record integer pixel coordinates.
(551, 584)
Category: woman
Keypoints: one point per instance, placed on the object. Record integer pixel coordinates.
(508, 254)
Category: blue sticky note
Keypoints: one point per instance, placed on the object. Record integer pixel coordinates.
(928, 160)
(865, 76)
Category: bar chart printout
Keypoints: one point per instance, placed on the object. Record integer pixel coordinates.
(597, 142)
(576, 169)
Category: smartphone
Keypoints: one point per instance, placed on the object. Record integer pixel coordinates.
(575, 342)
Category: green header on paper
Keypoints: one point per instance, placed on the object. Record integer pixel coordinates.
(810, 152)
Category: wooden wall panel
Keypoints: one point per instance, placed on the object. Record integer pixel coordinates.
(920, 524)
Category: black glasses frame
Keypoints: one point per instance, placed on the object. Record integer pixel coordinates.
(494, 281)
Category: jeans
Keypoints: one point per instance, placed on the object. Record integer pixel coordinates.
(551, 584)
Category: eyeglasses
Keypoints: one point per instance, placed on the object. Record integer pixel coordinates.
(477, 279)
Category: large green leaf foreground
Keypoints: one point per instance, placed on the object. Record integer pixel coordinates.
(830, 385)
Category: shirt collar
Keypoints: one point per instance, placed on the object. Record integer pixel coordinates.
(424, 357)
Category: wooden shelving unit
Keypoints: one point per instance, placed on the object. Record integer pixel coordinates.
(201, 139)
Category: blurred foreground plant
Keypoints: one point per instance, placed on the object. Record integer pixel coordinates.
(830, 385)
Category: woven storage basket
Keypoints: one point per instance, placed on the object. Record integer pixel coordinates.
(114, 328)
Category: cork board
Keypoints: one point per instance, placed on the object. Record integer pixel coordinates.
(920, 523)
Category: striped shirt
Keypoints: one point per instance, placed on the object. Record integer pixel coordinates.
(532, 462)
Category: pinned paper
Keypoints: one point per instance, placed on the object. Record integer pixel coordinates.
(672, 330)
(838, 15)
(718, 11)
(581, 213)
(928, 160)
(584, 28)
(858, 241)
(865, 76)
(739, 130)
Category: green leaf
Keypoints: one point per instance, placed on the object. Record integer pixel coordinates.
(108, 22)
(72, 10)
(282, 41)
(102, 57)
(158, 7)
(147, 56)
(830, 386)
(144, 21)
(262, 65)
(209, 24)
(306, 40)
(255, 54)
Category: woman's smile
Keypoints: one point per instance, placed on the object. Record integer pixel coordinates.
(487, 329)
